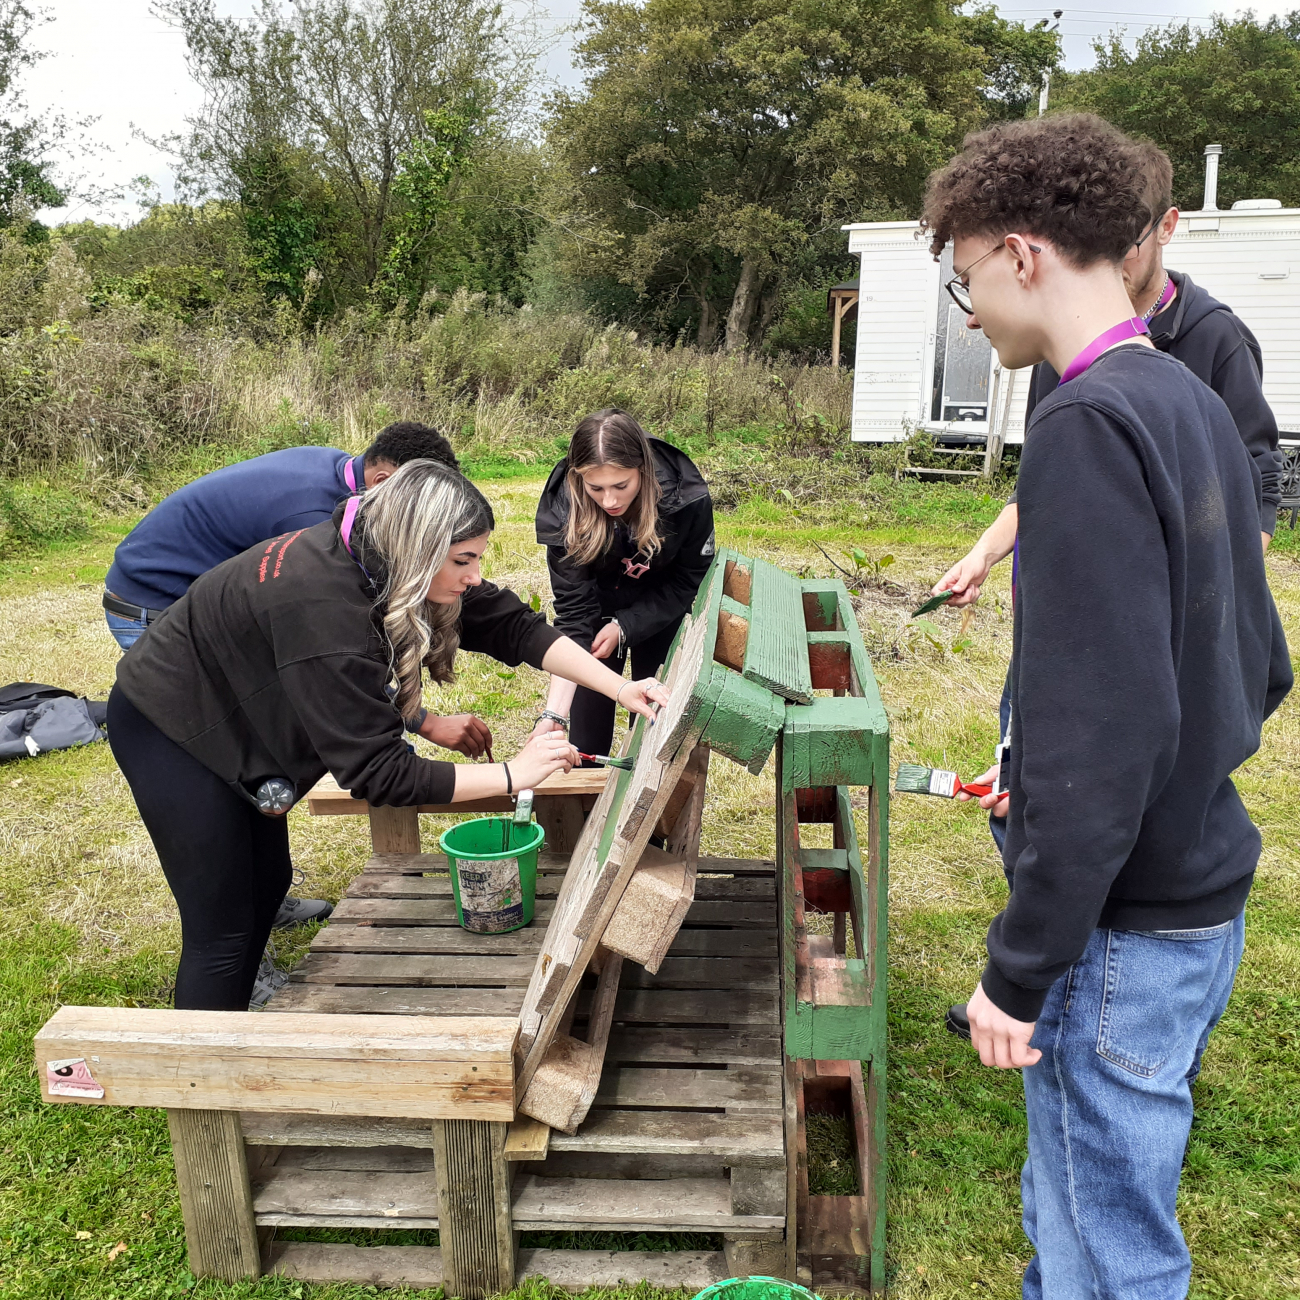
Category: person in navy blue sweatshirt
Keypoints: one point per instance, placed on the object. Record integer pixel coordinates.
(1147, 654)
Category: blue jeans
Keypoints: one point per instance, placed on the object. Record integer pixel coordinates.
(1110, 1110)
(126, 631)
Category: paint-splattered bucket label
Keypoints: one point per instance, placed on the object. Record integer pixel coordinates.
(491, 895)
(71, 1078)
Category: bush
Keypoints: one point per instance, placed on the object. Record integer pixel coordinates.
(32, 518)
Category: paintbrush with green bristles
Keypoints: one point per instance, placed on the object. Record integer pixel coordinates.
(605, 760)
(912, 778)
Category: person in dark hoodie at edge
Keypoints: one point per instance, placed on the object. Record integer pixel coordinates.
(1147, 654)
(627, 550)
(278, 663)
(1213, 343)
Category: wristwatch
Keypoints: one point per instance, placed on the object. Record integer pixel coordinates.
(554, 717)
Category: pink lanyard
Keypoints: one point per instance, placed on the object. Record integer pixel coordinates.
(1132, 328)
(349, 477)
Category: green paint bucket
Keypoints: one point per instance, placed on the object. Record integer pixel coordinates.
(493, 863)
(755, 1288)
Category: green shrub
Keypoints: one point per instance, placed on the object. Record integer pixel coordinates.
(33, 517)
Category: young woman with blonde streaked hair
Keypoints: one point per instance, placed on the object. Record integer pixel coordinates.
(627, 523)
(302, 656)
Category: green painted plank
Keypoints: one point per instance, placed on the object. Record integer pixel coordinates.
(829, 742)
(776, 655)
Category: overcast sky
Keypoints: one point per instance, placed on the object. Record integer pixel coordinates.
(111, 60)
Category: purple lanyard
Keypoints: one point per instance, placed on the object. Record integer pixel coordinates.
(350, 478)
(1132, 328)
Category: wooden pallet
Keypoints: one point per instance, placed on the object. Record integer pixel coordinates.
(686, 1131)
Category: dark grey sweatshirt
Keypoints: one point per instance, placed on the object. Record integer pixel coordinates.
(1147, 654)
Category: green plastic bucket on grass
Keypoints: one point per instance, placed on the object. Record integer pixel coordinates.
(495, 886)
(755, 1288)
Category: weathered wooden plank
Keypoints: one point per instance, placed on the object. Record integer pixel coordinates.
(381, 968)
(740, 1089)
(327, 799)
(227, 1061)
(630, 1045)
(723, 1007)
(275, 1129)
(705, 973)
(385, 910)
(420, 1267)
(561, 1091)
(347, 1159)
(216, 1204)
(284, 1196)
(393, 830)
(398, 1001)
(754, 1139)
(617, 1205)
(397, 885)
(451, 940)
(776, 651)
(613, 1164)
(724, 943)
(527, 1139)
(475, 1234)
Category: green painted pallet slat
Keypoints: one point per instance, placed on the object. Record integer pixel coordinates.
(776, 655)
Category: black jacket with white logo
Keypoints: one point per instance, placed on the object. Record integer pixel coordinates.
(587, 594)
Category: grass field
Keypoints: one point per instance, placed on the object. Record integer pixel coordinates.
(88, 1204)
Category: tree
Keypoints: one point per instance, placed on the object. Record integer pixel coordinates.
(1235, 83)
(331, 122)
(25, 180)
(716, 141)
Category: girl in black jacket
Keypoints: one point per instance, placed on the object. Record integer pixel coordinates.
(627, 523)
(278, 663)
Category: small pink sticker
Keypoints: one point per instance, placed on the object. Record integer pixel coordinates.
(71, 1078)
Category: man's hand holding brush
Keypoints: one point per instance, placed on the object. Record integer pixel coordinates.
(997, 804)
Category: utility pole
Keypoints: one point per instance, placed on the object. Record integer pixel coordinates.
(1047, 72)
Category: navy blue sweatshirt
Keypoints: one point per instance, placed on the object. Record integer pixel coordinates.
(1215, 345)
(222, 514)
(1147, 654)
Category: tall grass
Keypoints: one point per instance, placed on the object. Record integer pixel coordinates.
(105, 399)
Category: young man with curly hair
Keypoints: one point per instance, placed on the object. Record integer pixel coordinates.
(1147, 654)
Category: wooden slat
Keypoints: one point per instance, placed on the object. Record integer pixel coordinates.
(630, 1045)
(212, 1178)
(725, 943)
(528, 1139)
(721, 973)
(327, 799)
(285, 1196)
(271, 1129)
(475, 1236)
(731, 1090)
(619, 1205)
(420, 1267)
(390, 911)
(380, 969)
(398, 1001)
(394, 885)
(661, 1006)
(754, 1139)
(776, 650)
(229, 1061)
(451, 940)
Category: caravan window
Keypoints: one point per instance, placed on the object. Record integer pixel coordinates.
(963, 361)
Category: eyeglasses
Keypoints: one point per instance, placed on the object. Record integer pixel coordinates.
(1150, 228)
(960, 293)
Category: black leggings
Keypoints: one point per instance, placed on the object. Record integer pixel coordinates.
(226, 864)
(591, 718)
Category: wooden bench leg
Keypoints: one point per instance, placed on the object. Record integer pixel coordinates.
(474, 1226)
(216, 1200)
(395, 830)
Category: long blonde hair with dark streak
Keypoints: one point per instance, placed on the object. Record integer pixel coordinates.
(610, 437)
(410, 523)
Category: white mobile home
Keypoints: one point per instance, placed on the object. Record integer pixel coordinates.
(917, 366)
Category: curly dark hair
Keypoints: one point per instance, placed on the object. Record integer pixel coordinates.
(1072, 179)
(409, 440)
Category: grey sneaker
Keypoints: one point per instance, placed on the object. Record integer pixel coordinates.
(298, 911)
(270, 980)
